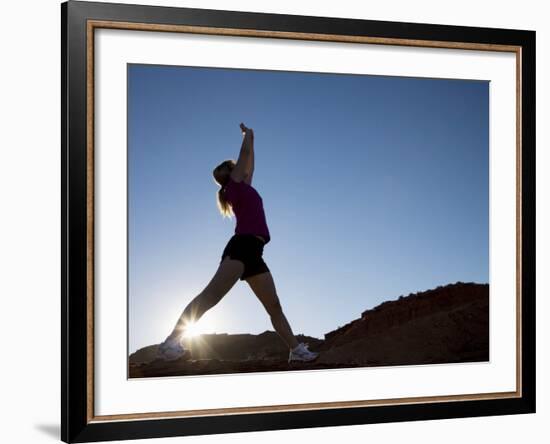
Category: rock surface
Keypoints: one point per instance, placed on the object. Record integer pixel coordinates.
(443, 325)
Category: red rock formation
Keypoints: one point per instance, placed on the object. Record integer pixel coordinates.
(390, 314)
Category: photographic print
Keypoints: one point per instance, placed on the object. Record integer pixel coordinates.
(276, 221)
(289, 221)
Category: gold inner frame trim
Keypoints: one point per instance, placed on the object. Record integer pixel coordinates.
(92, 25)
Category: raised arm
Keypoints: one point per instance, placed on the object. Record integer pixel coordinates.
(244, 167)
(250, 166)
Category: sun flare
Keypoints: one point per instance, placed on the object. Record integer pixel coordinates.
(192, 330)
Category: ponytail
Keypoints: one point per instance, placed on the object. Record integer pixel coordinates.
(223, 205)
(221, 176)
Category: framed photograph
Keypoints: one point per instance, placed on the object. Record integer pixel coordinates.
(277, 221)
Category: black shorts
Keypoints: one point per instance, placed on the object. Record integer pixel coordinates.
(248, 249)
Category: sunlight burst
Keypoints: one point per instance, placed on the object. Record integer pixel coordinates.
(192, 330)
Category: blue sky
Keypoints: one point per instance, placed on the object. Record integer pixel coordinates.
(373, 187)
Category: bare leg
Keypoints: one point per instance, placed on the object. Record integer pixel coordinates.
(226, 276)
(264, 288)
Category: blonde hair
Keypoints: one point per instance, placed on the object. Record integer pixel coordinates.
(221, 176)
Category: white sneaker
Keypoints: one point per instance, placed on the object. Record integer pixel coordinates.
(170, 350)
(301, 353)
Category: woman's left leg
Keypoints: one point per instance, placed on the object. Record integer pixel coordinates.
(264, 288)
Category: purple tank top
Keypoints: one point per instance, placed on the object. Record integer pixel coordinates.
(248, 208)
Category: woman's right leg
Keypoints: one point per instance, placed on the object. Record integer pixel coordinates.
(228, 273)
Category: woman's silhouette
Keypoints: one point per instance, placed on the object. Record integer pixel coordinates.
(241, 258)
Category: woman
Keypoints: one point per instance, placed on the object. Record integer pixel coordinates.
(241, 258)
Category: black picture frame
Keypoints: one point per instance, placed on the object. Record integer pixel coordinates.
(77, 425)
